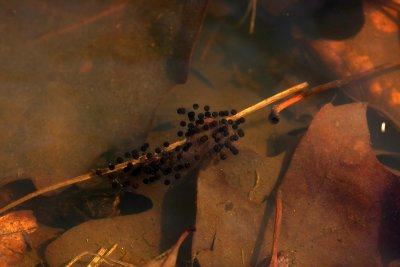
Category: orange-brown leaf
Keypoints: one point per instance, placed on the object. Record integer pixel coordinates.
(13, 227)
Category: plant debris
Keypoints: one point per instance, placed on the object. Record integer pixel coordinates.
(13, 230)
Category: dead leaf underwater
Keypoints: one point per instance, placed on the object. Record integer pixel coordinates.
(231, 207)
(376, 43)
(83, 78)
(13, 228)
(341, 206)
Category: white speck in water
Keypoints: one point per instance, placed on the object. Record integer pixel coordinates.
(383, 127)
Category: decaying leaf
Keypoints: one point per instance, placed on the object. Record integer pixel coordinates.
(341, 206)
(13, 229)
(375, 44)
(231, 209)
(80, 79)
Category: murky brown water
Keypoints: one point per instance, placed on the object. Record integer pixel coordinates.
(82, 83)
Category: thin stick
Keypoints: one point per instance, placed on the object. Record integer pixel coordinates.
(120, 166)
(277, 230)
(287, 103)
(107, 260)
(251, 8)
(270, 100)
(45, 190)
(77, 258)
(84, 22)
(246, 14)
(336, 84)
(96, 261)
(253, 16)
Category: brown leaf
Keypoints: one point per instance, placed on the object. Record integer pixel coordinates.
(230, 209)
(375, 44)
(13, 227)
(341, 206)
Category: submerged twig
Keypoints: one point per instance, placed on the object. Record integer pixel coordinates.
(107, 260)
(334, 84)
(262, 104)
(253, 16)
(101, 256)
(251, 9)
(246, 14)
(119, 167)
(84, 22)
(103, 252)
(277, 230)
